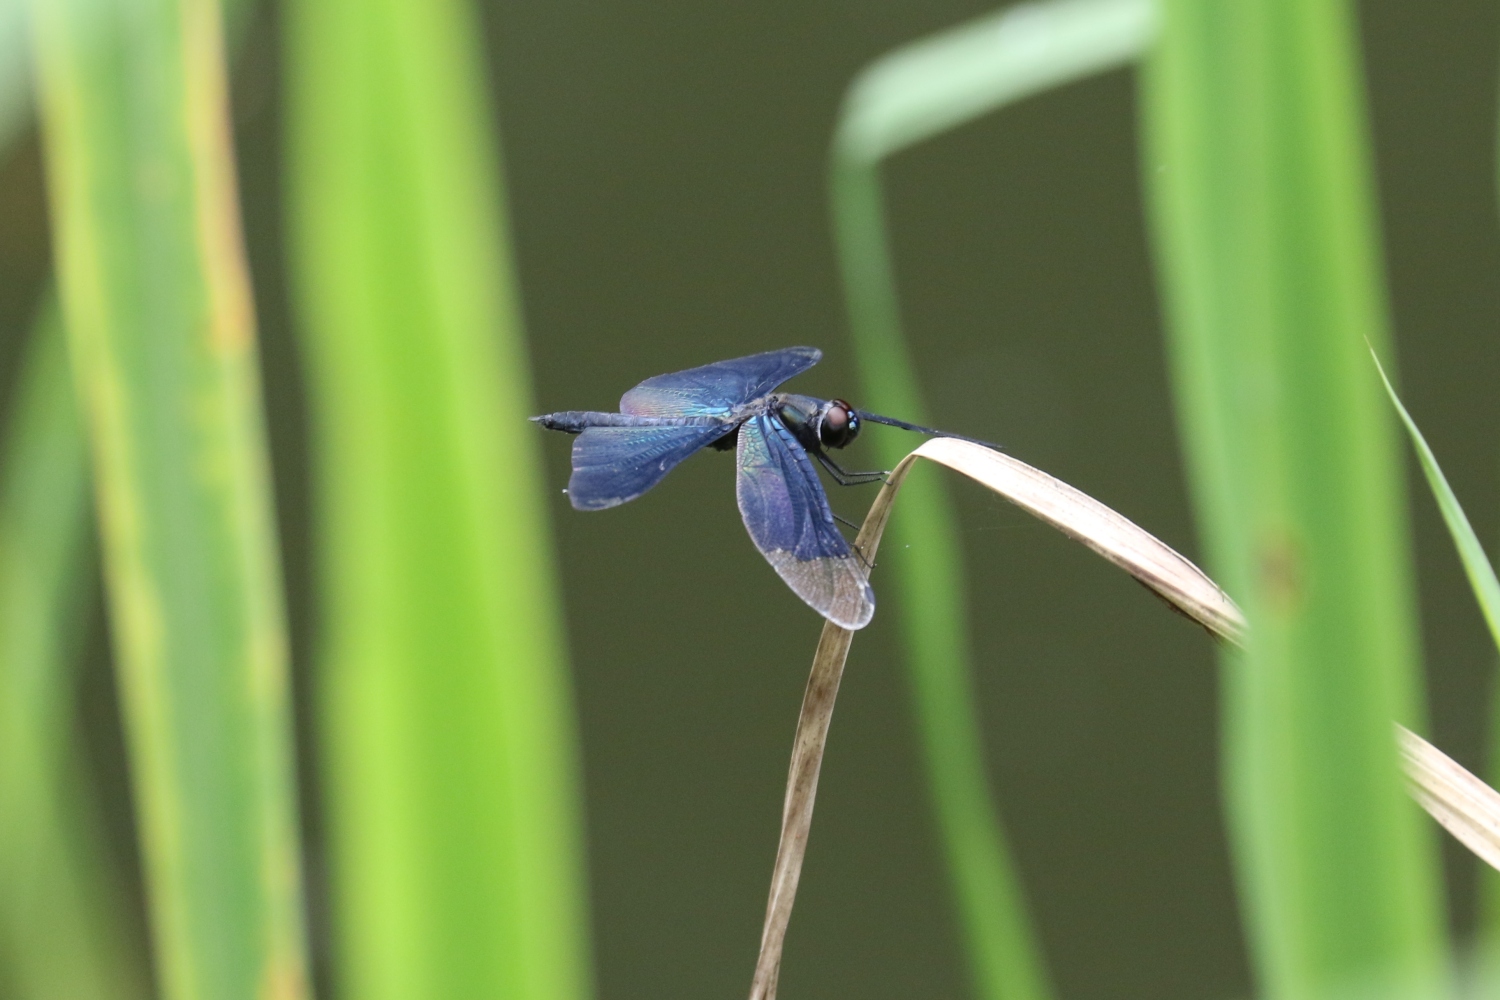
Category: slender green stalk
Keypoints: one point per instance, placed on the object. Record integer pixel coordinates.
(157, 304)
(1476, 564)
(451, 754)
(1259, 173)
(938, 83)
(61, 910)
(907, 96)
(926, 564)
(1486, 589)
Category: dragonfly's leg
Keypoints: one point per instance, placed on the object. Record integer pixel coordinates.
(844, 478)
(858, 552)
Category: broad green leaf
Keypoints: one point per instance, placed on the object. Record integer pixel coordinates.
(1258, 171)
(161, 336)
(449, 751)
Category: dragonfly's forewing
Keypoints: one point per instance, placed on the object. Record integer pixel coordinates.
(614, 464)
(787, 515)
(714, 390)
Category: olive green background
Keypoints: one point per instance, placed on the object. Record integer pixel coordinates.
(666, 168)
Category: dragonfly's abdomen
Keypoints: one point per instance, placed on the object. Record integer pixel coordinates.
(577, 421)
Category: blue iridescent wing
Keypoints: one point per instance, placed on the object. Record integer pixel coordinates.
(612, 465)
(714, 390)
(787, 515)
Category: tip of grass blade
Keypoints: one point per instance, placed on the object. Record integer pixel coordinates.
(1106, 531)
(1476, 564)
(1467, 807)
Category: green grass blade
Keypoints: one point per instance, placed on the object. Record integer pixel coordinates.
(157, 304)
(61, 910)
(453, 801)
(940, 82)
(909, 95)
(1260, 177)
(1486, 589)
(926, 565)
(1476, 564)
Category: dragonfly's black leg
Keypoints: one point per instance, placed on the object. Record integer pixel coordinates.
(844, 478)
(858, 552)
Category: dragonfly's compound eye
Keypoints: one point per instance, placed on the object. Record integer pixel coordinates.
(840, 425)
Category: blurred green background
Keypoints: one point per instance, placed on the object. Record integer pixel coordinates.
(666, 172)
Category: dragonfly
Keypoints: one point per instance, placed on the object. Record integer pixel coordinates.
(776, 437)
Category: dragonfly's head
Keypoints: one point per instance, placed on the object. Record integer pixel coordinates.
(838, 424)
(817, 423)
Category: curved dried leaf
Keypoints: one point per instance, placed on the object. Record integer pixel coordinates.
(1084, 519)
(1072, 512)
(1466, 806)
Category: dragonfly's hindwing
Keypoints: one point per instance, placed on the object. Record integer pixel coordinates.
(612, 465)
(716, 389)
(787, 515)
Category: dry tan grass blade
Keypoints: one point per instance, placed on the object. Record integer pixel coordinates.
(801, 790)
(1462, 803)
(1466, 806)
(1076, 515)
(1081, 517)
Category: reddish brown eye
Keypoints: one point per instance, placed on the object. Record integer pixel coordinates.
(840, 424)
